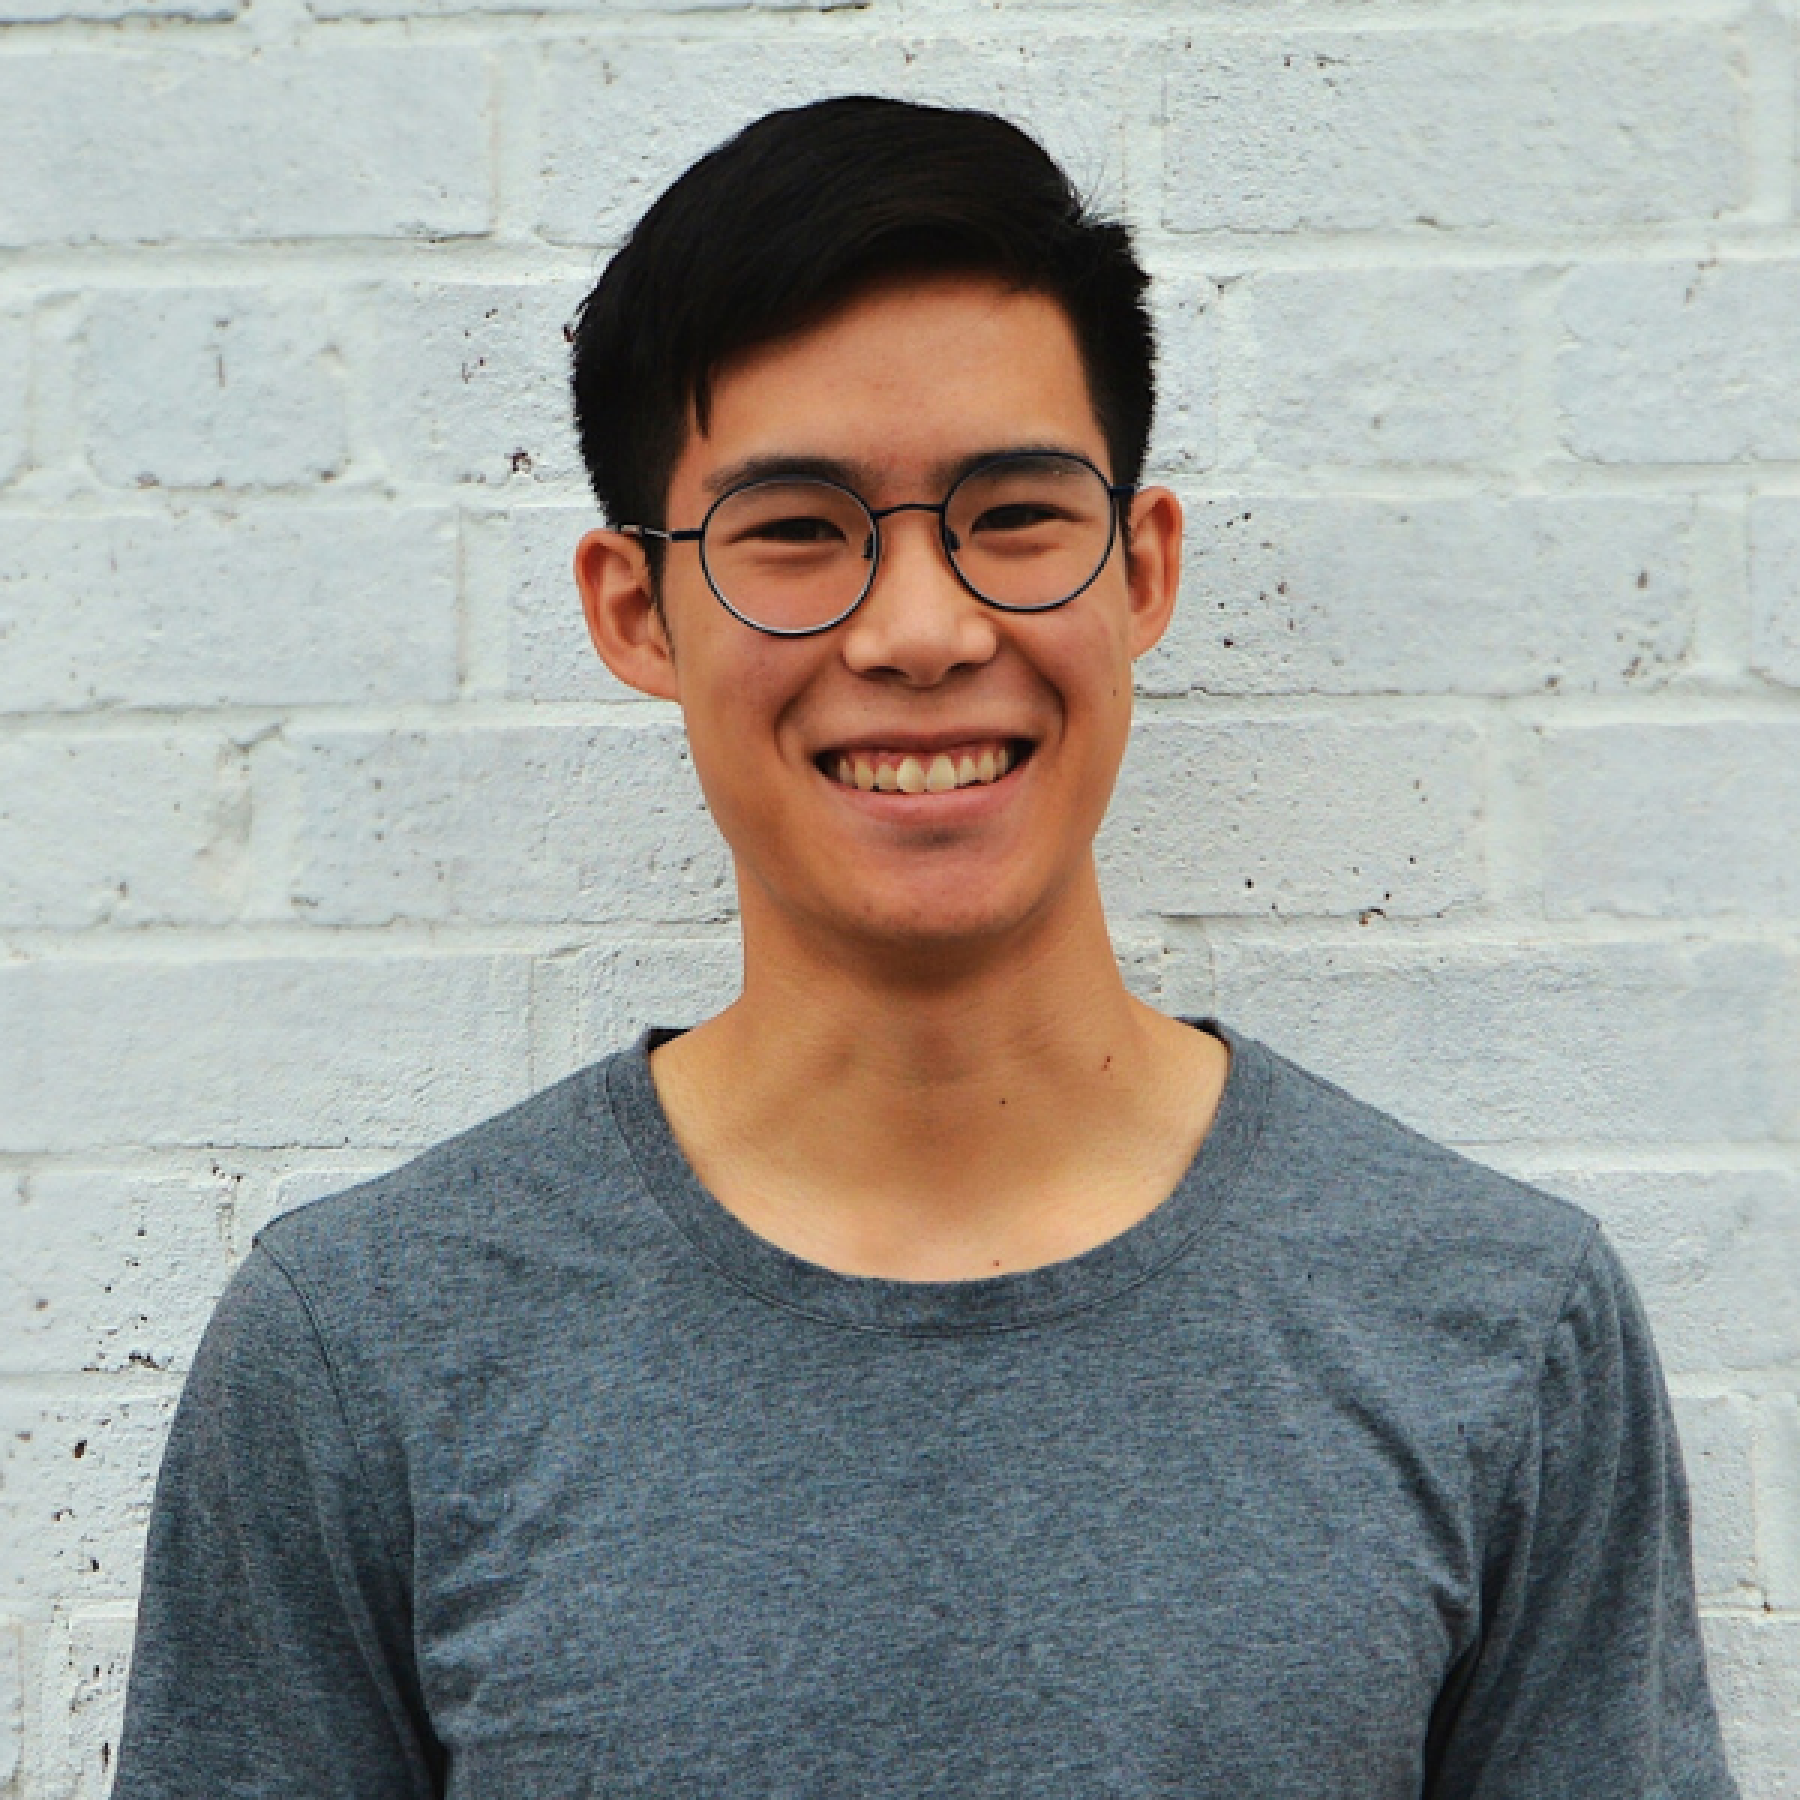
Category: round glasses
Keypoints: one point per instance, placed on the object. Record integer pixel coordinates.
(795, 554)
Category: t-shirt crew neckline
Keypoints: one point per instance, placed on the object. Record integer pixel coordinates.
(927, 1308)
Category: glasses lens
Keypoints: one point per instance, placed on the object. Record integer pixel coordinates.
(789, 555)
(1031, 531)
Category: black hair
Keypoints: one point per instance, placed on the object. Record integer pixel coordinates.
(798, 211)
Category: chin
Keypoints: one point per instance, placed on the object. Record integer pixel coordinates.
(939, 919)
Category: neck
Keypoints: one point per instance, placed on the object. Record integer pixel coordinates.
(926, 1021)
(928, 1113)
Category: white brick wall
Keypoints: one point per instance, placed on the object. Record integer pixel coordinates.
(1469, 774)
(198, 387)
(15, 377)
(1688, 362)
(221, 607)
(204, 143)
(1367, 367)
(1775, 588)
(1529, 126)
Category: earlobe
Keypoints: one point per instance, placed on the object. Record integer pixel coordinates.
(623, 618)
(1154, 565)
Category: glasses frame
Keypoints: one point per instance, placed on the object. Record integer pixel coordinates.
(1118, 494)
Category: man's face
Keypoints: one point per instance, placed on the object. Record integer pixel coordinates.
(900, 389)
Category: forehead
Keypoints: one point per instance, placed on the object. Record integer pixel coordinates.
(906, 380)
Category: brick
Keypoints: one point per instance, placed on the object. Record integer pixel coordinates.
(1714, 1252)
(1140, 956)
(1775, 589)
(12, 1703)
(55, 12)
(110, 1271)
(433, 9)
(15, 387)
(1553, 130)
(338, 143)
(469, 382)
(133, 830)
(1187, 374)
(1658, 1043)
(1379, 366)
(1715, 1433)
(1425, 596)
(206, 387)
(216, 608)
(551, 823)
(1754, 1663)
(391, 1047)
(76, 1474)
(1672, 821)
(623, 119)
(1681, 362)
(85, 1698)
(1293, 818)
(1778, 1496)
(622, 990)
(519, 572)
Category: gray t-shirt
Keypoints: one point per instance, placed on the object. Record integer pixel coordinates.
(528, 1471)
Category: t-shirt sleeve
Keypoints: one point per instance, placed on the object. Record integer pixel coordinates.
(273, 1651)
(1590, 1675)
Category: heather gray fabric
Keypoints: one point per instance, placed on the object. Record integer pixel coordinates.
(528, 1471)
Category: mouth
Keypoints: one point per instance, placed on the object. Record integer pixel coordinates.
(880, 769)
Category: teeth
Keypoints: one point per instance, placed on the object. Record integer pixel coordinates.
(914, 775)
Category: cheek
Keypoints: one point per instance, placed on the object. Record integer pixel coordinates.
(1092, 670)
(734, 697)
(1091, 667)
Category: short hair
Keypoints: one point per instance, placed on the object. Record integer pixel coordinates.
(789, 219)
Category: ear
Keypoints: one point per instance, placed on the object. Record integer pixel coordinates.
(1154, 565)
(623, 619)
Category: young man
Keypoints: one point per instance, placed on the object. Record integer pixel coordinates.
(939, 1374)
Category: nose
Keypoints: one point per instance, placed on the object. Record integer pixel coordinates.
(919, 623)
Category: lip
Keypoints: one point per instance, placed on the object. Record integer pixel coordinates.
(922, 743)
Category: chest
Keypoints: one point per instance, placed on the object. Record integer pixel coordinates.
(963, 1576)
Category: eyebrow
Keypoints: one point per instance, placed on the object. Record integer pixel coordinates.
(857, 476)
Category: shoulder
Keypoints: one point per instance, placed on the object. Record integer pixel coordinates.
(1350, 1169)
(1438, 1254)
(548, 1180)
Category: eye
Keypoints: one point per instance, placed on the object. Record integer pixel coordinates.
(798, 528)
(1017, 515)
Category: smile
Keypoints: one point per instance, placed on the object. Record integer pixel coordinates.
(880, 771)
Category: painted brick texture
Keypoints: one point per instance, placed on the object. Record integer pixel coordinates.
(1469, 773)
